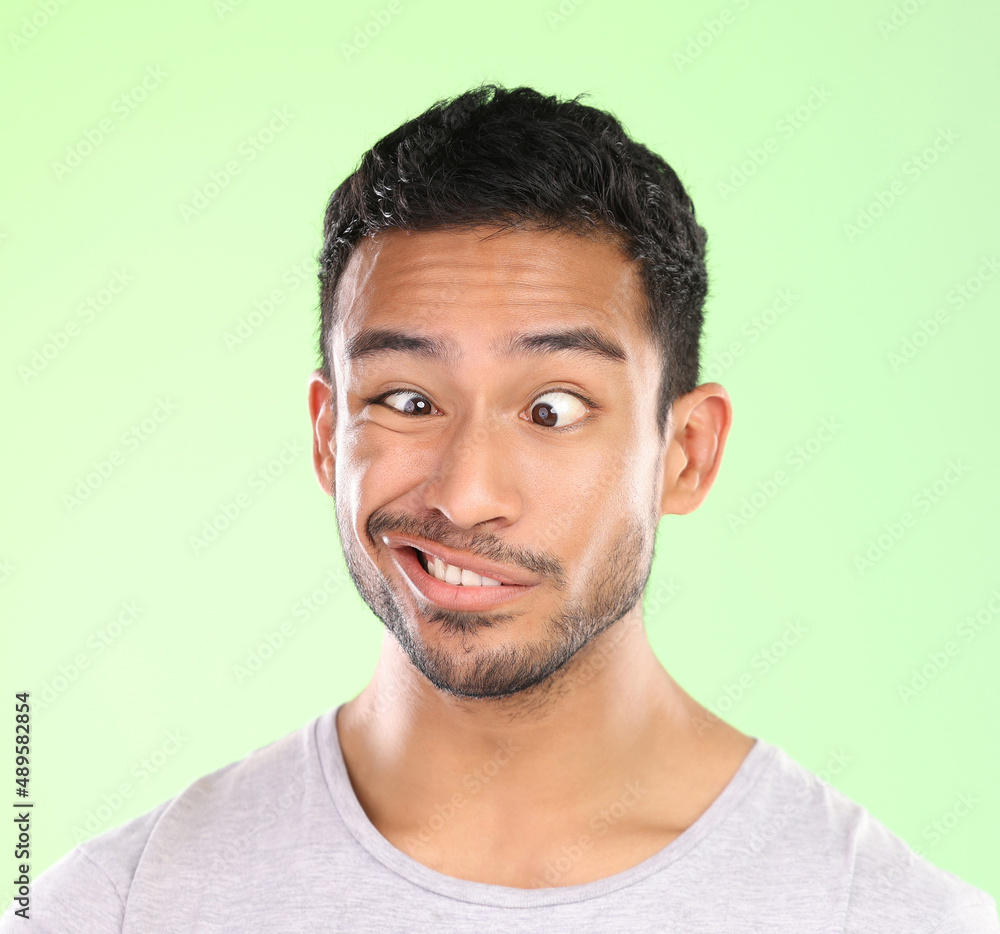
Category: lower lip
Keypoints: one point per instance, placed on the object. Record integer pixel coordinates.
(453, 596)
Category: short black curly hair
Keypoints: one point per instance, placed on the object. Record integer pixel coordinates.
(516, 158)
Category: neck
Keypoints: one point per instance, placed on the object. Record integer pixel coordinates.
(608, 725)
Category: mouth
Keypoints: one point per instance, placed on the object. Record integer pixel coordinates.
(452, 574)
(453, 587)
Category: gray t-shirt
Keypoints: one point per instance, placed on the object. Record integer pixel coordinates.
(279, 842)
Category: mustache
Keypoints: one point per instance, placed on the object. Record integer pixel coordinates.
(485, 545)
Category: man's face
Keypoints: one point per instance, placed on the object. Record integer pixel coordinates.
(507, 423)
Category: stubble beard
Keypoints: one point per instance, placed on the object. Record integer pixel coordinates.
(535, 671)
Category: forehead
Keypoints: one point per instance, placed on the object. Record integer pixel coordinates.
(488, 280)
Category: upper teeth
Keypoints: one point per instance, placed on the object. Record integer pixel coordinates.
(451, 574)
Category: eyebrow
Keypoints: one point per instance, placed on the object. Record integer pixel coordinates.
(372, 341)
(583, 340)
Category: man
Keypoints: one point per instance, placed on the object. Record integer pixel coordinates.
(511, 294)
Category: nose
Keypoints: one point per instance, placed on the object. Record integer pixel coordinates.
(475, 477)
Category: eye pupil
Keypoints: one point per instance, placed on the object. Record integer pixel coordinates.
(547, 415)
(415, 406)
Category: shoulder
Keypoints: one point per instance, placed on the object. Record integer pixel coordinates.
(803, 826)
(86, 890)
(223, 812)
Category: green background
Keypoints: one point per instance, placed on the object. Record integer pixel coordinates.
(823, 108)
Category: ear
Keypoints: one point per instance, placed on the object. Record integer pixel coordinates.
(699, 426)
(321, 414)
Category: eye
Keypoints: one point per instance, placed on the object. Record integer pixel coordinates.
(413, 402)
(557, 409)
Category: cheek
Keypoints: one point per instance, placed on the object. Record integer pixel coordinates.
(575, 502)
(375, 467)
(364, 466)
(597, 499)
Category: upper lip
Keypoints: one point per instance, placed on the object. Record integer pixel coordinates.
(498, 572)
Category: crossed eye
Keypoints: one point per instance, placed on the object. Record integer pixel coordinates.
(552, 409)
(549, 413)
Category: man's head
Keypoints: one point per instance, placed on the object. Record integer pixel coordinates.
(491, 392)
